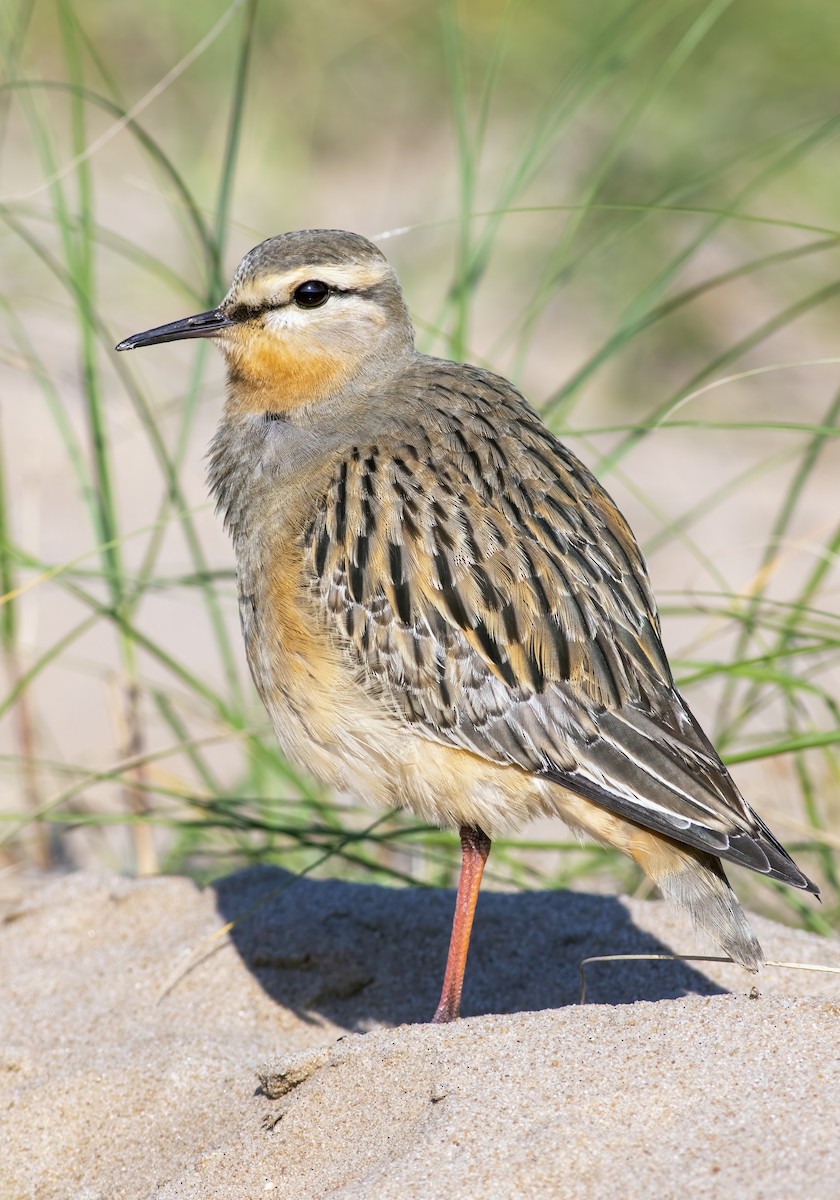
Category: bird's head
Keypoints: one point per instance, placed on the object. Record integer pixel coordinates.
(308, 314)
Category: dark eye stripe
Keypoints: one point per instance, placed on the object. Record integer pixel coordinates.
(249, 312)
(246, 312)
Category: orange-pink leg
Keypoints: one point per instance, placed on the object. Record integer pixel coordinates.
(475, 846)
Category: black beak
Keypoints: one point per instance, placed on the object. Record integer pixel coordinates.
(204, 325)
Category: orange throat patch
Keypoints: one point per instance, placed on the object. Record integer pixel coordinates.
(267, 375)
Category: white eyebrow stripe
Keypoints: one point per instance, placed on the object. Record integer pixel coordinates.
(277, 288)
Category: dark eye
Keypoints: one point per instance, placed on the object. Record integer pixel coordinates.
(311, 294)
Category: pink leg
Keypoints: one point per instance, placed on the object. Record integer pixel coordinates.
(475, 846)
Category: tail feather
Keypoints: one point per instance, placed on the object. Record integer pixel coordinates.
(700, 886)
(692, 878)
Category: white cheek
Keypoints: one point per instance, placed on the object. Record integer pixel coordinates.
(341, 317)
(288, 317)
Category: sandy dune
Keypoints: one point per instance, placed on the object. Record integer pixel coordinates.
(141, 1057)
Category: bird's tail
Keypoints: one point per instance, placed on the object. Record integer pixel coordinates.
(692, 878)
(698, 883)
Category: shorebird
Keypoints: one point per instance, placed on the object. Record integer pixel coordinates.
(442, 608)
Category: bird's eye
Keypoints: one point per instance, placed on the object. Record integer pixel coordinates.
(311, 294)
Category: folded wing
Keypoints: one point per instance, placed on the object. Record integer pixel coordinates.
(487, 588)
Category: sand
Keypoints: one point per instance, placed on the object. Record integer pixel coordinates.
(144, 1057)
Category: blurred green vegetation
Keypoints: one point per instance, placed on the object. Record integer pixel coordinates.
(621, 205)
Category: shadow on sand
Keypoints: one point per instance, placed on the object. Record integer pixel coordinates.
(360, 955)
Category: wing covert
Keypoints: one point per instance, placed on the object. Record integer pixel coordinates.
(469, 569)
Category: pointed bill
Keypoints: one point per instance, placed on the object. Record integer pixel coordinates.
(203, 325)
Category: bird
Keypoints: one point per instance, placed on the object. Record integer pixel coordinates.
(443, 610)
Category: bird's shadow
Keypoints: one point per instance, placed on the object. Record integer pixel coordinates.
(361, 955)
